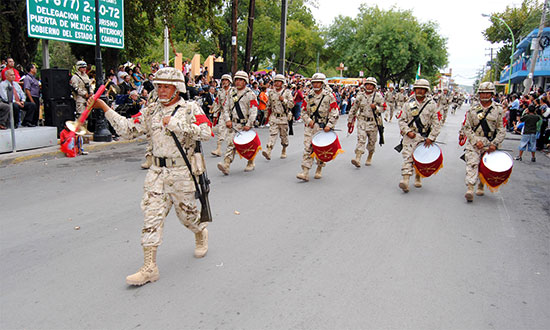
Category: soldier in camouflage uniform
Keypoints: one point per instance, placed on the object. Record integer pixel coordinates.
(168, 182)
(81, 85)
(217, 111)
(367, 108)
(391, 103)
(480, 141)
(424, 129)
(321, 113)
(248, 105)
(444, 102)
(280, 102)
(400, 99)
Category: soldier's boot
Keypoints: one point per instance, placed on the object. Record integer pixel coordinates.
(304, 175)
(147, 163)
(357, 160)
(404, 183)
(201, 243)
(224, 167)
(417, 181)
(250, 166)
(267, 153)
(318, 171)
(149, 272)
(218, 151)
(369, 158)
(480, 189)
(470, 193)
(283, 153)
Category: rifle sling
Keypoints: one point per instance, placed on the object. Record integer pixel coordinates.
(315, 114)
(184, 155)
(485, 126)
(416, 119)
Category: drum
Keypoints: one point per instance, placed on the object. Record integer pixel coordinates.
(495, 168)
(326, 146)
(247, 144)
(427, 160)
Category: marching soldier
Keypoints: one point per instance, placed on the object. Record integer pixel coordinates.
(367, 108)
(280, 103)
(168, 182)
(81, 85)
(321, 113)
(217, 112)
(239, 113)
(485, 131)
(400, 99)
(391, 102)
(444, 102)
(419, 122)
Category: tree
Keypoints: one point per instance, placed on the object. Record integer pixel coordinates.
(521, 20)
(388, 45)
(14, 40)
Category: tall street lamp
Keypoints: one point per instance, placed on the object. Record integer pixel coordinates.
(513, 49)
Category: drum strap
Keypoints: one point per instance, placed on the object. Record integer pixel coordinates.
(485, 126)
(416, 120)
(316, 114)
(237, 107)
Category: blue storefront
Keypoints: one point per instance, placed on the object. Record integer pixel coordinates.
(522, 64)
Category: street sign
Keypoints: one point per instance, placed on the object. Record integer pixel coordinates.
(74, 21)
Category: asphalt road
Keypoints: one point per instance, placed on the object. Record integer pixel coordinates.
(349, 251)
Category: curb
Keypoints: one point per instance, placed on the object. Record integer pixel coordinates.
(11, 159)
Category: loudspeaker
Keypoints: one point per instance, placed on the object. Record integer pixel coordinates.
(57, 112)
(55, 84)
(219, 69)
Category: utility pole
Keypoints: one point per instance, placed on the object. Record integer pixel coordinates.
(282, 42)
(529, 81)
(249, 33)
(234, 52)
(491, 77)
(101, 133)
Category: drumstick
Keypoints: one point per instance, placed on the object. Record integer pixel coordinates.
(86, 112)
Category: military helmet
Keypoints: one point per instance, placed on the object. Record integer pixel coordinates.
(241, 75)
(318, 77)
(445, 88)
(279, 77)
(170, 76)
(227, 77)
(81, 64)
(422, 83)
(372, 81)
(486, 87)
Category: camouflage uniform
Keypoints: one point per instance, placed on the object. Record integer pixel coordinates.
(328, 116)
(444, 103)
(278, 119)
(217, 110)
(249, 108)
(400, 100)
(366, 121)
(497, 133)
(391, 103)
(79, 81)
(170, 185)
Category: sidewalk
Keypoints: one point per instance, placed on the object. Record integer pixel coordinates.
(54, 152)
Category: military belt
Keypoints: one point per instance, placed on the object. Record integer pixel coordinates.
(239, 121)
(168, 162)
(279, 115)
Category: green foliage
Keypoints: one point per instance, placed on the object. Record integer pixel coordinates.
(388, 45)
(14, 40)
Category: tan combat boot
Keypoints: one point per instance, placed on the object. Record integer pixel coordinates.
(218, 151)
(404, 183)
(149, 272)
(417, 181)
(283, 153)
(267, 153)
(357, 160)
(148, 162)
(201, 243)
(224, 167)
(480, 189)
(250, 166)
(369, 159)
(304, 175)
(318, 171)
(470, 193)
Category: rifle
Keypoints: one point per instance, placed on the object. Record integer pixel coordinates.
(380, 127)
(399, 147)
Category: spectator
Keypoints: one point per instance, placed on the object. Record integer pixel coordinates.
(513, 111)
(261, 106)
(148, 84)
(298, 101)
(10, 65)
(208, 100)
(4, 115)
(529, 134)
(32, 89)
(19, 98)
(138, 78)
(126, 87)
(120, 74)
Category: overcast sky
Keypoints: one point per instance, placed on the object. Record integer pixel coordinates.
(459, 21)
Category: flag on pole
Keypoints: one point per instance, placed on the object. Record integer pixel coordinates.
(418, 72)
